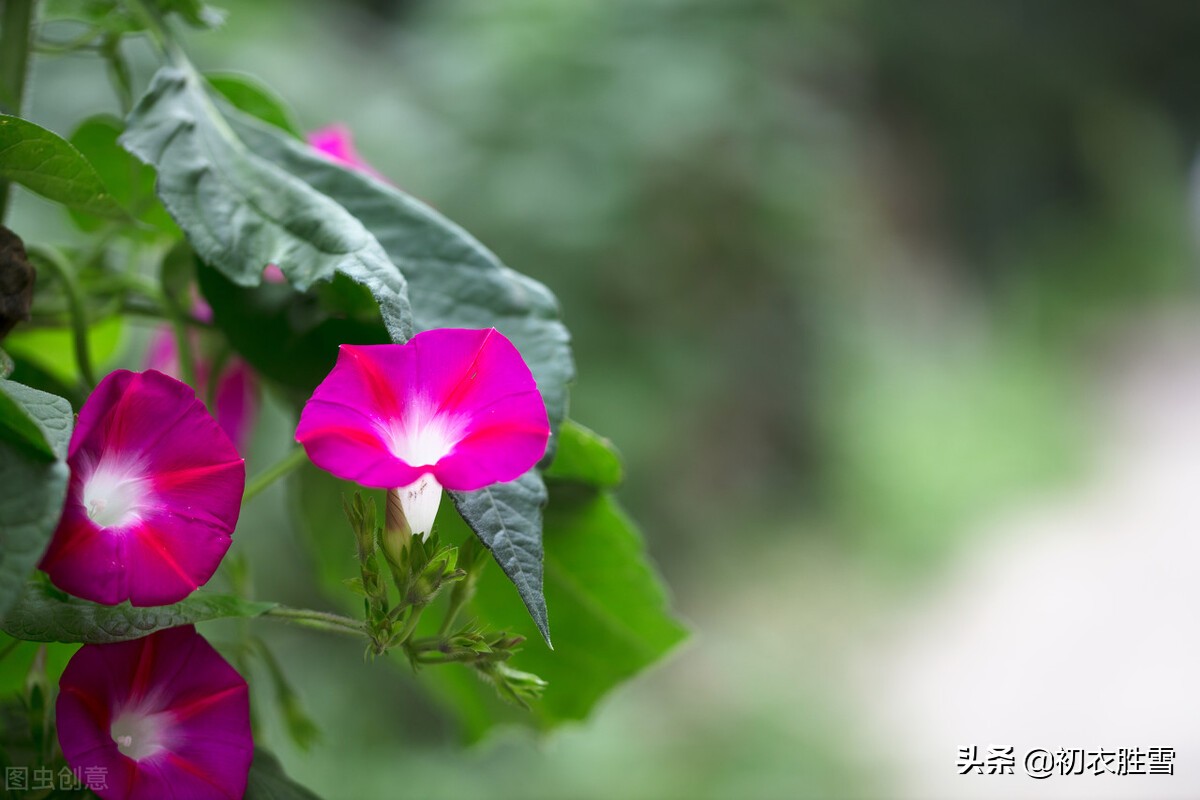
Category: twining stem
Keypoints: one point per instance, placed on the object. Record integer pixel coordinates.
(295, 458)
(183, 340)
(16, 34)
(320, 620)
(59, 265)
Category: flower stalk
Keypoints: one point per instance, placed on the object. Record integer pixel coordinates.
(284, 466)
(58, 264)
(16, 36)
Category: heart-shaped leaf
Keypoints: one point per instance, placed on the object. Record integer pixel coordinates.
(45, 163)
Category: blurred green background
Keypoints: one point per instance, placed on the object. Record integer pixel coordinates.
(835, 273)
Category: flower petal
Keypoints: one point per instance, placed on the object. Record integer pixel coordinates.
(155, 494)
(503, 440)
(187, 705)
(458, 404)
(336, 143)
(344, 423)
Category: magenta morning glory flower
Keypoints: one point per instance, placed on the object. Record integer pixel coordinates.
(164, 716)
(336, 143)
(451, 408)
(156, 488)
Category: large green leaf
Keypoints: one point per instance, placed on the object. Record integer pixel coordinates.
(292, 337)
(507, 518)
(586, 457)
(44, 614)
(19, 423)
(44, 162)
(33, 481)
(453, 280)
(130, 181)
(268, 781)
(611, 617)
(241, 212)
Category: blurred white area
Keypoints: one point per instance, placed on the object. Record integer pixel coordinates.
(1070, 623)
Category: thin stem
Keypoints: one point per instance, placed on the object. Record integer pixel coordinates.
(59, 265)
(283, 466)
(9, 648)
(157, 28)
(320, 620)
(118, 74)
(413, 618)
(16, 35)
(457, 601)
(183, 340)
(183, 344)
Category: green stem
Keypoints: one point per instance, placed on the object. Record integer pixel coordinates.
(16, 35)
(9, 648)
(183, 342)
(320, 620)
(118, 74)
(59, 265)
(283, 466)
(457, 601)
(413, 618)
(156, 26)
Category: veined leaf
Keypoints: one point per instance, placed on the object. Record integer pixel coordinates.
(25, 413)
(45, 163)
(453, 280)
(585, 456)
(44, 614)
(507, 518)
(610, 610)
(241, 213)
(130, 181)
(33, 481)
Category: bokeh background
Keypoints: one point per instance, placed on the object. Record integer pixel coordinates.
(892, 311)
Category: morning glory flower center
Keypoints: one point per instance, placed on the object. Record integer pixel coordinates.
(115, 493)
(422, 439)
(140, 735)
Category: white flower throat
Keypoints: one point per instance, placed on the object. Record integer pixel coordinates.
(115, 492)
